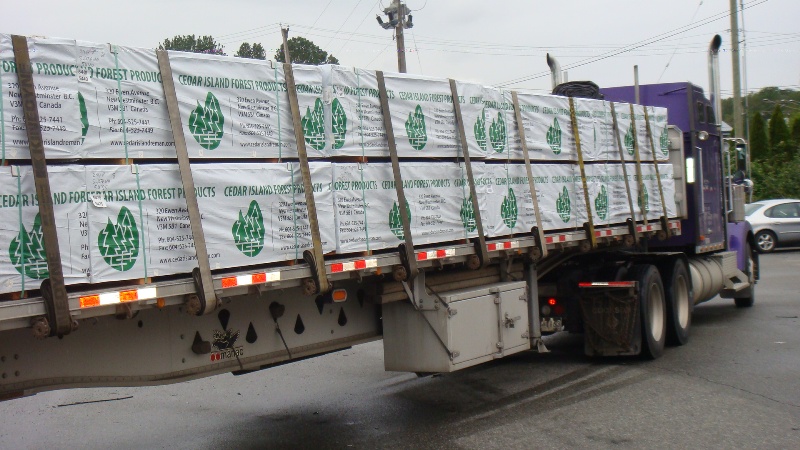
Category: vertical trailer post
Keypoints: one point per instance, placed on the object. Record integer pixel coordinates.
(314, 256)
(202, 273)
(406, 250)
(53, 290)
(481, 251)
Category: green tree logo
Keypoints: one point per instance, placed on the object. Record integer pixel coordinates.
(119, 242)
(601, 203)
(314, 126)
(415, 128)
(396, 221)
(497, 134)
(27, 251)
(205, 123)
(664, 141)
(248, 231)
(554, 136)
(508, 209)
(480, 130)
(629, 139)
(84, 116)
(468, 215)
(644, 200)
(563, 207)
(338, 124)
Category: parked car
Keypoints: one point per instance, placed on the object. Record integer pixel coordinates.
(775, 223)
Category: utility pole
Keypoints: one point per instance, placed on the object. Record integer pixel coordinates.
(399, 19)
(286, 56)
(744, 63)
(738, 122)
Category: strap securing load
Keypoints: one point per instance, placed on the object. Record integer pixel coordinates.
(618, 142)
(313, 257)
(406, 250)
(663, 218)
(202, 274)
(53, 290)
(576, 132)
(481, 251)
(529, 173)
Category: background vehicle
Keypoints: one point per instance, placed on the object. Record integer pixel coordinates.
(775, 223)
(629, 286)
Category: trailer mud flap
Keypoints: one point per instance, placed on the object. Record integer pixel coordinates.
(610, 317)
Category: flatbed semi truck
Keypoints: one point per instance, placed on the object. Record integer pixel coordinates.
(628, 285)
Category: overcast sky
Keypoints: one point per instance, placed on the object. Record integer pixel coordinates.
(490, 42)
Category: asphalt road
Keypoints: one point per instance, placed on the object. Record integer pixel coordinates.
(735, 385)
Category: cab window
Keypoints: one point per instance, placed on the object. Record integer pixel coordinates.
(701, 112)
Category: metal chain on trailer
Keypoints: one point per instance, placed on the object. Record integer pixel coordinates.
(202, 273)
(618, 142)
(407, 255)
(314, 257)
(649, 131)
(576, 132)
(53, 290)
(529, 172)
(482, 253)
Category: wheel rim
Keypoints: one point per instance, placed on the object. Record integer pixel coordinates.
(682, 301)
(765, 242)
(656, 306)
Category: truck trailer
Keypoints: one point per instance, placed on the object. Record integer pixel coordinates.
(457, 222)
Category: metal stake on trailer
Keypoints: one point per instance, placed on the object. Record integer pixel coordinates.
(53, 290)
(640, 181)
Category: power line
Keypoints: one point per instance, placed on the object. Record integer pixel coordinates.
(679, 42)
(633, 46)
(344, 22)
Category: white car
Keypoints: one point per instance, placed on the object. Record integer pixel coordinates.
(775, 223)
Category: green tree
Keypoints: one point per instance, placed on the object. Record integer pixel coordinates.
(795, 128)
(191, 43)
(759, 144)
(780, 141)
(776, 179)
(304, 51)
(255, 51)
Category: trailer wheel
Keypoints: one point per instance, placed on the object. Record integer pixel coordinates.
(680, 300)
(652, 310)
(750, 293)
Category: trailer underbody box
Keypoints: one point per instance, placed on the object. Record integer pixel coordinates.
(466, 327)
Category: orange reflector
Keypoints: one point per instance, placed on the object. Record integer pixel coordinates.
(339, 295)
(89, 301)
(551, 301)
(229, 282)
(259, 278)
(128, 296)
(160, 302)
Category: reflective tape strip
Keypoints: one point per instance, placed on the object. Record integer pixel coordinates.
(602, 233)
(558, 238)
(492, 246)
(643, 228)
(359, 264)
(676, 225)
(607, 284)
(253, 278)
(112, 298)
(436, 254)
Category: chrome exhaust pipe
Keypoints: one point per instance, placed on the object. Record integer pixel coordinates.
(555, 71)
(713, 78)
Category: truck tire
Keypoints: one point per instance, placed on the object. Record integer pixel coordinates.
(652, 309)
(750, 293)
(680, 300)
